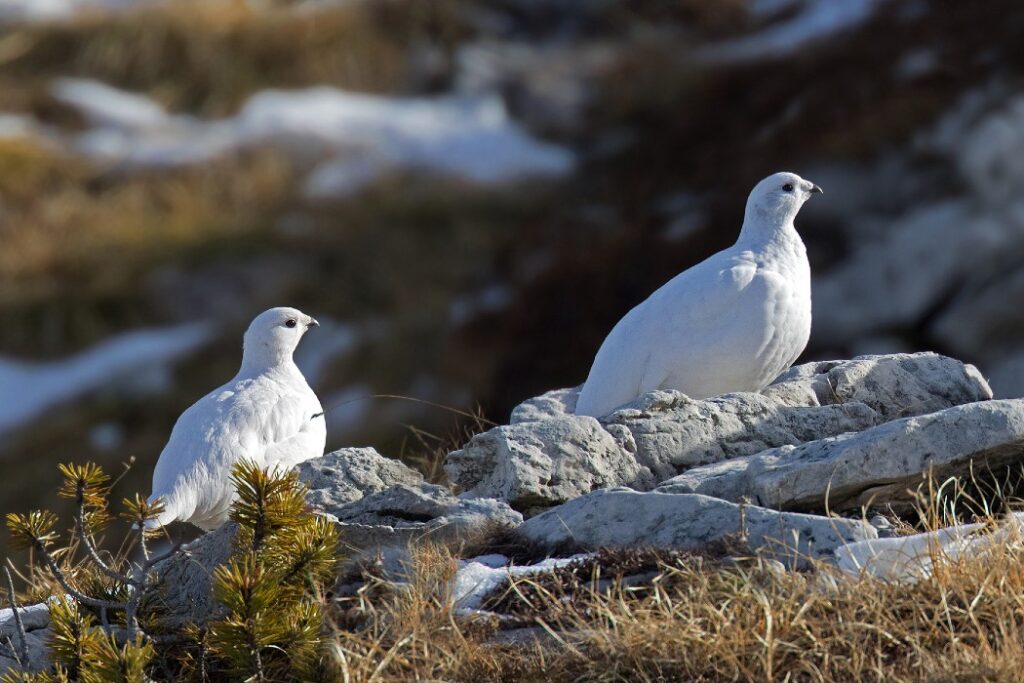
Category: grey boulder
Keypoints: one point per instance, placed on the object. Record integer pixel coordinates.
(348, 474)
(36, 622)
(623, 518)
(547, 455)
(880, 465)
(894, 386)
(539, 464)
(403, 514)
(184, 592)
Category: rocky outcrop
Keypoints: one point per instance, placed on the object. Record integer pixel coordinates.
(381, 508)
(539, 464)
(402, 514)
(184, 593)
(547, 455)
(348, 474)
(879, 464)
(623, 518)
(896, 385)
(35, 620)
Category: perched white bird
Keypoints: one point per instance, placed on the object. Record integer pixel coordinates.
(733, 322)
(267, 414)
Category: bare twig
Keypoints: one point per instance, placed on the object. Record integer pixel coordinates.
(22, 640)
(90, 549)
(66, 585)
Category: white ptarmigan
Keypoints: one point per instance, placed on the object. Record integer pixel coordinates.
(733, 322)
(267, 413)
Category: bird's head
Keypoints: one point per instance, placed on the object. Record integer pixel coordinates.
(779, 197)
(274, 334)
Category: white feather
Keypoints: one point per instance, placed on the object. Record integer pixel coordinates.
(267, 413)
(733, 322)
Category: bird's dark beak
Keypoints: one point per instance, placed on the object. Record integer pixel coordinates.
(312, 323)
(816, 190)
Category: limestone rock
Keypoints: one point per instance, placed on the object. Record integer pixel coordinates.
(894, 386)
(547, 455)
(185, 590)
(348, 474)
(673, 432)
(402, 514)
(623, 518)
(877, 465)
(534, 464)
(555, 403)
(36, 621)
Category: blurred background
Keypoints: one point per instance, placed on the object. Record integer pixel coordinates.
(468, 194)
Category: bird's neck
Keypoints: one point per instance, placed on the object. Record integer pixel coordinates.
(259, 359)
(769, 233)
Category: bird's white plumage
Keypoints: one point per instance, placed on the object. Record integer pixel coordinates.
(267, 413)
(733, 322)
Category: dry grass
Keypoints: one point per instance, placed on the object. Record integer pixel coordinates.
(698, 620)
(207, 57)
(64, 220)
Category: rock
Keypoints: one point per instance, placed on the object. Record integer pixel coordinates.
(402, 514)
(557, 403)
(876, 466)
(348, 474)
(36, 621)
(672, 432)
(538, 464)
(623, 518)
(894, 386)
(185, 590)
(547, 455)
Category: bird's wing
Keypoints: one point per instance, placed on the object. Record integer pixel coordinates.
(692, 312)
(636, 357)
(301, 436)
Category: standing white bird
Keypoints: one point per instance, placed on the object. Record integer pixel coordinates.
(733, 322)
(267, 413)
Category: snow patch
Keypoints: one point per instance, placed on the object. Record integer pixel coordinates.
(354, 137)
(817, 19)
(479, 577)
(15, 11)
(913, 558)
(128, 361)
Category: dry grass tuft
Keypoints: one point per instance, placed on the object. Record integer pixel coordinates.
(692, 618)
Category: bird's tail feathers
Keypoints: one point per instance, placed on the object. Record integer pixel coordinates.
(166, 516)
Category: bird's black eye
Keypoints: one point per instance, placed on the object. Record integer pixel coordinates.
(291, 323)
(788, 187)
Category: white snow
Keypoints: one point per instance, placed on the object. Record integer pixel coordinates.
(13, 11)
(28, 390)
(913, 558)
(103, 105)
(817, 19)
(354, 137)
(17, 126)
(481, 576)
